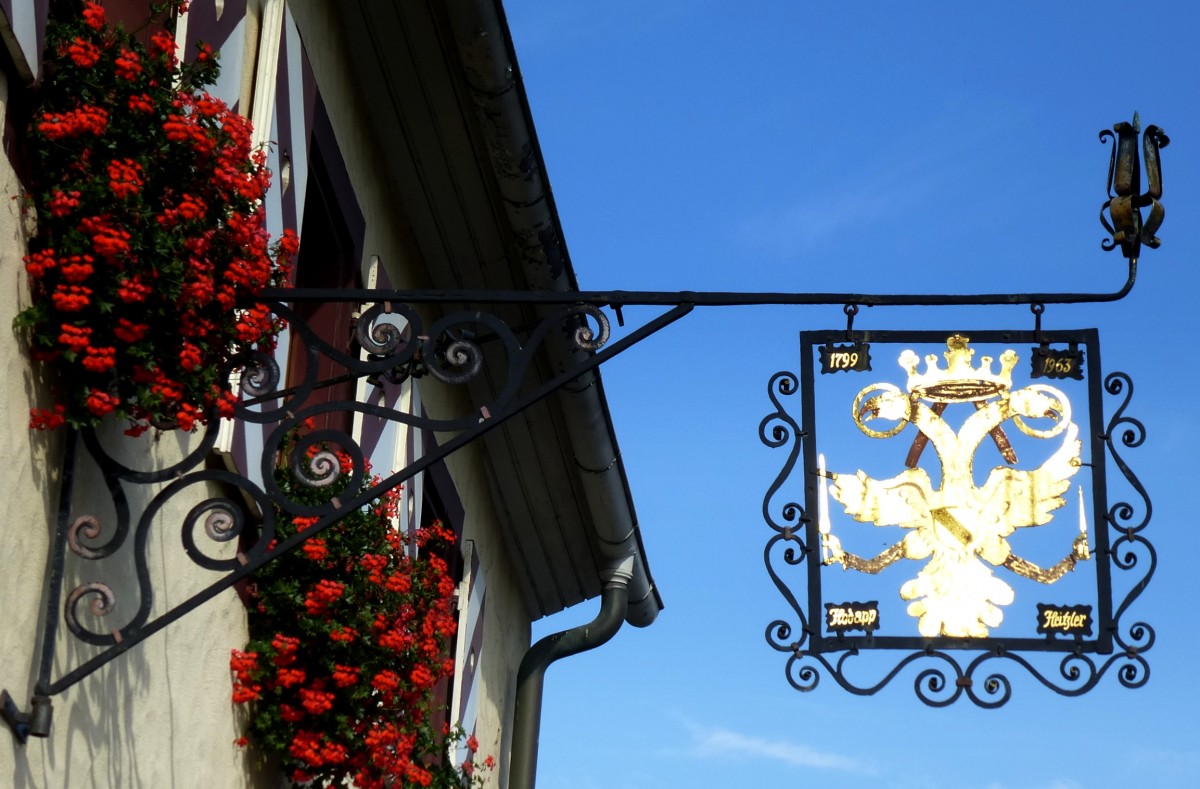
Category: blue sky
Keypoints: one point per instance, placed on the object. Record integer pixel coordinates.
(878, 147)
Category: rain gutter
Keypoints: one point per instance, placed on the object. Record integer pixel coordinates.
(489, 60)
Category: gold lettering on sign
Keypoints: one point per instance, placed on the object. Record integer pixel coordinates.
(1052, 366)
(850, 617)
(1072, 620)
(1065, 621)
(843, 360)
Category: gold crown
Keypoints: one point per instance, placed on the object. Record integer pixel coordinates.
(960, 382)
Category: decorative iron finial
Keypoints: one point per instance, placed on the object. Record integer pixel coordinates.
(1125, 179)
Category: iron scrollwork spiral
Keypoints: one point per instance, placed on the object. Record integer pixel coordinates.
(583, 336)
(221, 520)
(101, 602)
(315, 465)
(1130, 550)
(384, 329)
(86, 527)
(777, 430)
(259, 373)
(1132, 434)
(457, 359)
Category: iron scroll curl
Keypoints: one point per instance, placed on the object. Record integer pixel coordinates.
(777, 430)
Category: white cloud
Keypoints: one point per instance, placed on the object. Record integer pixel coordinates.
(811, 222)
(717, 743)
(1170, 759)
(899, 181)
(1054, 783)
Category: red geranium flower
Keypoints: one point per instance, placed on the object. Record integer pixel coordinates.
(93, 16)
(315, 549)
(125, 179)
(101, 403)
(128, 64)
(47, 419)
(343, 634)
(287, 677)
(83, 53)
(99, 360)
(75, 338)
(164, 301)
(140, 103)
(316, 701)
(345, 676)
(128, 331)
(70, 298)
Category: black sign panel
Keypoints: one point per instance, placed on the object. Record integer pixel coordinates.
(1057, 363)
(842, 617)
(1065, 620)
(845, 357)
(872, 451)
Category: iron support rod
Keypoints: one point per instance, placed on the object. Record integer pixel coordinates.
(56, 565)
(37, 721)
(696, 298)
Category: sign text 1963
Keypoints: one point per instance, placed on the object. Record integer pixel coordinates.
(1057, 363)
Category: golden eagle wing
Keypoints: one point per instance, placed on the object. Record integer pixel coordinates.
(1015, 498)
(902, 500)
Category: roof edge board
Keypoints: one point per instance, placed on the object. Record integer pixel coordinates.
(489, 60)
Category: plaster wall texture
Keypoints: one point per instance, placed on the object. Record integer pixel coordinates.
(506, 639)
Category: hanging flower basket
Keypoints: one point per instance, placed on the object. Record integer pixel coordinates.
(150, 235)
(349, 637)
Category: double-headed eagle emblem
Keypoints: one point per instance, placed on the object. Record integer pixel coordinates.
(960, 528)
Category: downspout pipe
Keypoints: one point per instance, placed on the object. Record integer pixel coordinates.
(531, 677)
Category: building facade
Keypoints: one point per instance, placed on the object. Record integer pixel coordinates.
(404, 154)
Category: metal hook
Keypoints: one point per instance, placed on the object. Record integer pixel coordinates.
(1037, 308)
(851, 310)
(616, 308)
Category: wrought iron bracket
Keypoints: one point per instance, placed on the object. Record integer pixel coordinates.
(397, 348)
(455, 350)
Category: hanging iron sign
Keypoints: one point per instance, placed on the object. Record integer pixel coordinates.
(954, 506)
